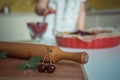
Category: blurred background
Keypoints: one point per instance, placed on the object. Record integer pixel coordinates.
(28, 5)
(14, 14)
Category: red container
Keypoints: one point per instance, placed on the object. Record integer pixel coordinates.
(96, 43)
(37, 28)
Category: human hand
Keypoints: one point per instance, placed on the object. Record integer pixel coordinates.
(46, 11)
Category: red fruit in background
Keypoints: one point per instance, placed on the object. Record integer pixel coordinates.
(37, 28)
(54, 12)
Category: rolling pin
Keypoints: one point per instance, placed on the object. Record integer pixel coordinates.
(29, 50)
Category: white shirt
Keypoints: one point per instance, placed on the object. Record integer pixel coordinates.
(66, 17)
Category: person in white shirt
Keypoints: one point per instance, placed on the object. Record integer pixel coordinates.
(62, 15)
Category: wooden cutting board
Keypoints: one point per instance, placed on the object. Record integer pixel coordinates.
(65, 70)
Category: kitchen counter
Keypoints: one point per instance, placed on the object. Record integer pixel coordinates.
(103, 64)
(74, 71)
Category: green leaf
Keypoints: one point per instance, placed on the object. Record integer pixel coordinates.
(3, 54)
(32, 66)
(34, 60)
(22, 66)
(31, 63)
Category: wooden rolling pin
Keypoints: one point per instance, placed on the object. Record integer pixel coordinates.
(28, 50)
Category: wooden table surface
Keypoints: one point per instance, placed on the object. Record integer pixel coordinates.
(65, 70)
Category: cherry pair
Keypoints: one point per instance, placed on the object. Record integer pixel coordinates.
(50, 68)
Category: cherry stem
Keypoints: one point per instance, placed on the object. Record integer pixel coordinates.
(44, 58)
(51, 56)
(49, 53)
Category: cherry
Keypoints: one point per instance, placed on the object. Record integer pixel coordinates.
(41, 68)
(50, 68)
(83, 33)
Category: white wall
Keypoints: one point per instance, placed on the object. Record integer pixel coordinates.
(110, 20)
(13, 26)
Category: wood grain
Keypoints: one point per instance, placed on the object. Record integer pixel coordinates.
(29, 50)
(65, 70)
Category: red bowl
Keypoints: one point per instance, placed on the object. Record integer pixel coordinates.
(96, 43)
(37, 28)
